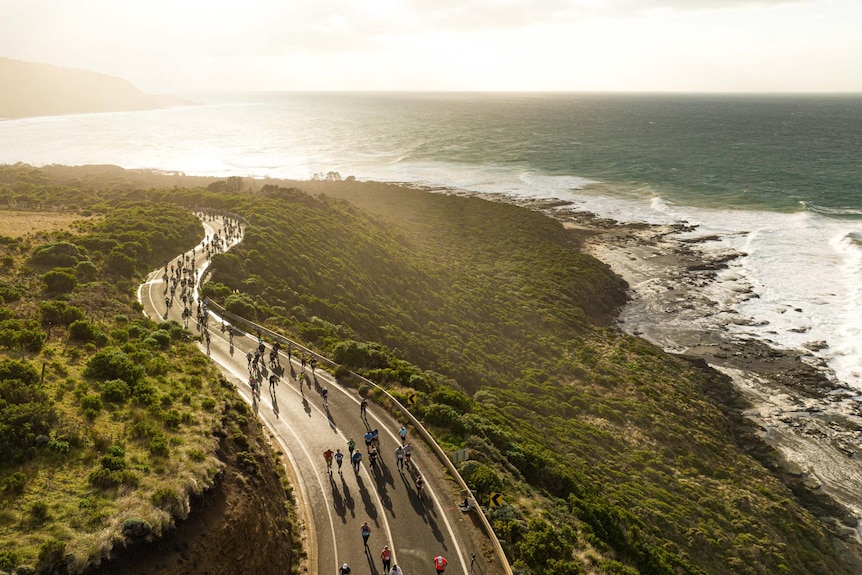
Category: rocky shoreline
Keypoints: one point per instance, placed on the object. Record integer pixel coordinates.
(807, 424)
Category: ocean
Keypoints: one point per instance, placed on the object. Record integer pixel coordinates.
(776, 178)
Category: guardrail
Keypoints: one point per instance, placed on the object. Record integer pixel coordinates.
(261, 331)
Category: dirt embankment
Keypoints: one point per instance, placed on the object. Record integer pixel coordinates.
(242, 525)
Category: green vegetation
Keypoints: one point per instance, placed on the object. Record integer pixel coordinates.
(613, 457)
(104, 434)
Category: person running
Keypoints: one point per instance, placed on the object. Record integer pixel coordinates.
(303, 360)
(372, 459)
(351, 445)
(399, 457)
(356, 459)
(327, 456)
(403, 433)
(386, 557)
(369, 438)
(325, 393)
(344, 570)
(420, 485)
(339, 459)
(396, 570)
(363, 405)
(440, 563)
(313, 363)
(366, 532)
(273, 381)
(408, 452)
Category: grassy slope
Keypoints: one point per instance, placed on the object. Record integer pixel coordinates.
(612, 445)
(104, 459)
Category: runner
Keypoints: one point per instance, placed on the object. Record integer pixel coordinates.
(327, 456)
(351, 445)
(344, 570)
(386, 557)
(420, 485)
(399, 457)
(363, 405)
(325, 393)
(440, 564)
(339, 459)
(408, 452)
(403, 433)
(396, 570)
(356, 459)
(366, 532)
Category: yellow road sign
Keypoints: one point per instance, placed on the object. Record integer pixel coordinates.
(496, 499)
(411, 399)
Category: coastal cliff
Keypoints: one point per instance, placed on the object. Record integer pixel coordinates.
(31, 89)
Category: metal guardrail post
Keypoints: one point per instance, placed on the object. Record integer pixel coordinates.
(429, 439)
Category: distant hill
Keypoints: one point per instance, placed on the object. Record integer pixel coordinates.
(31, 89)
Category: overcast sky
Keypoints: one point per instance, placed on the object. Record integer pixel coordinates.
(174, 46)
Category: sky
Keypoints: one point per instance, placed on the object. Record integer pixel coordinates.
(182, 46)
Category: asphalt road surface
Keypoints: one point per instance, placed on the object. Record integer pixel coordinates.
(335, 505)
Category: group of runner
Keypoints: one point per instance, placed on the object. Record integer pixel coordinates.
(386, 554)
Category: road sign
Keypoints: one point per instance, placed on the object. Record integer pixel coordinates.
(461, 455)
(411, 398)
(496, 499)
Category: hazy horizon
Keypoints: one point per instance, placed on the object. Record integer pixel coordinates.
(608, 46)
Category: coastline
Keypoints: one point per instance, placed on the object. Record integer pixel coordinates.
(809, 420)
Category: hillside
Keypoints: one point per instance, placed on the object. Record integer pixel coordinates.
(114, 428)
(31, 89)
(613, 456)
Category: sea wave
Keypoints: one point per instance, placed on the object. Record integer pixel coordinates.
(828, 211)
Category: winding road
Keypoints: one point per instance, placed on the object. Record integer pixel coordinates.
(334, 506)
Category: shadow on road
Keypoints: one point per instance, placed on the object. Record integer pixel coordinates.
(348, 499)
(370, 509)
(338, 501)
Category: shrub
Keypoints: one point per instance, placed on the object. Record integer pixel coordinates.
(452, 397)
(196, 454)
(163, 338)
(444, 416)
(172, 419)
(116, 391)
(14, 483)
(167, 500)
(9, 293)
(482, 479)
(136, 528)
(159, 445)
(9, 560)
(86, 271)
(57, 254)
(59, 281)
(241, 305)
(112, 363)
(56, 312)
(83, 330)
(208, 403)
(38, 511)
(91, 404)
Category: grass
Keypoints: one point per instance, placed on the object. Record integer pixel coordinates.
(19, 223)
